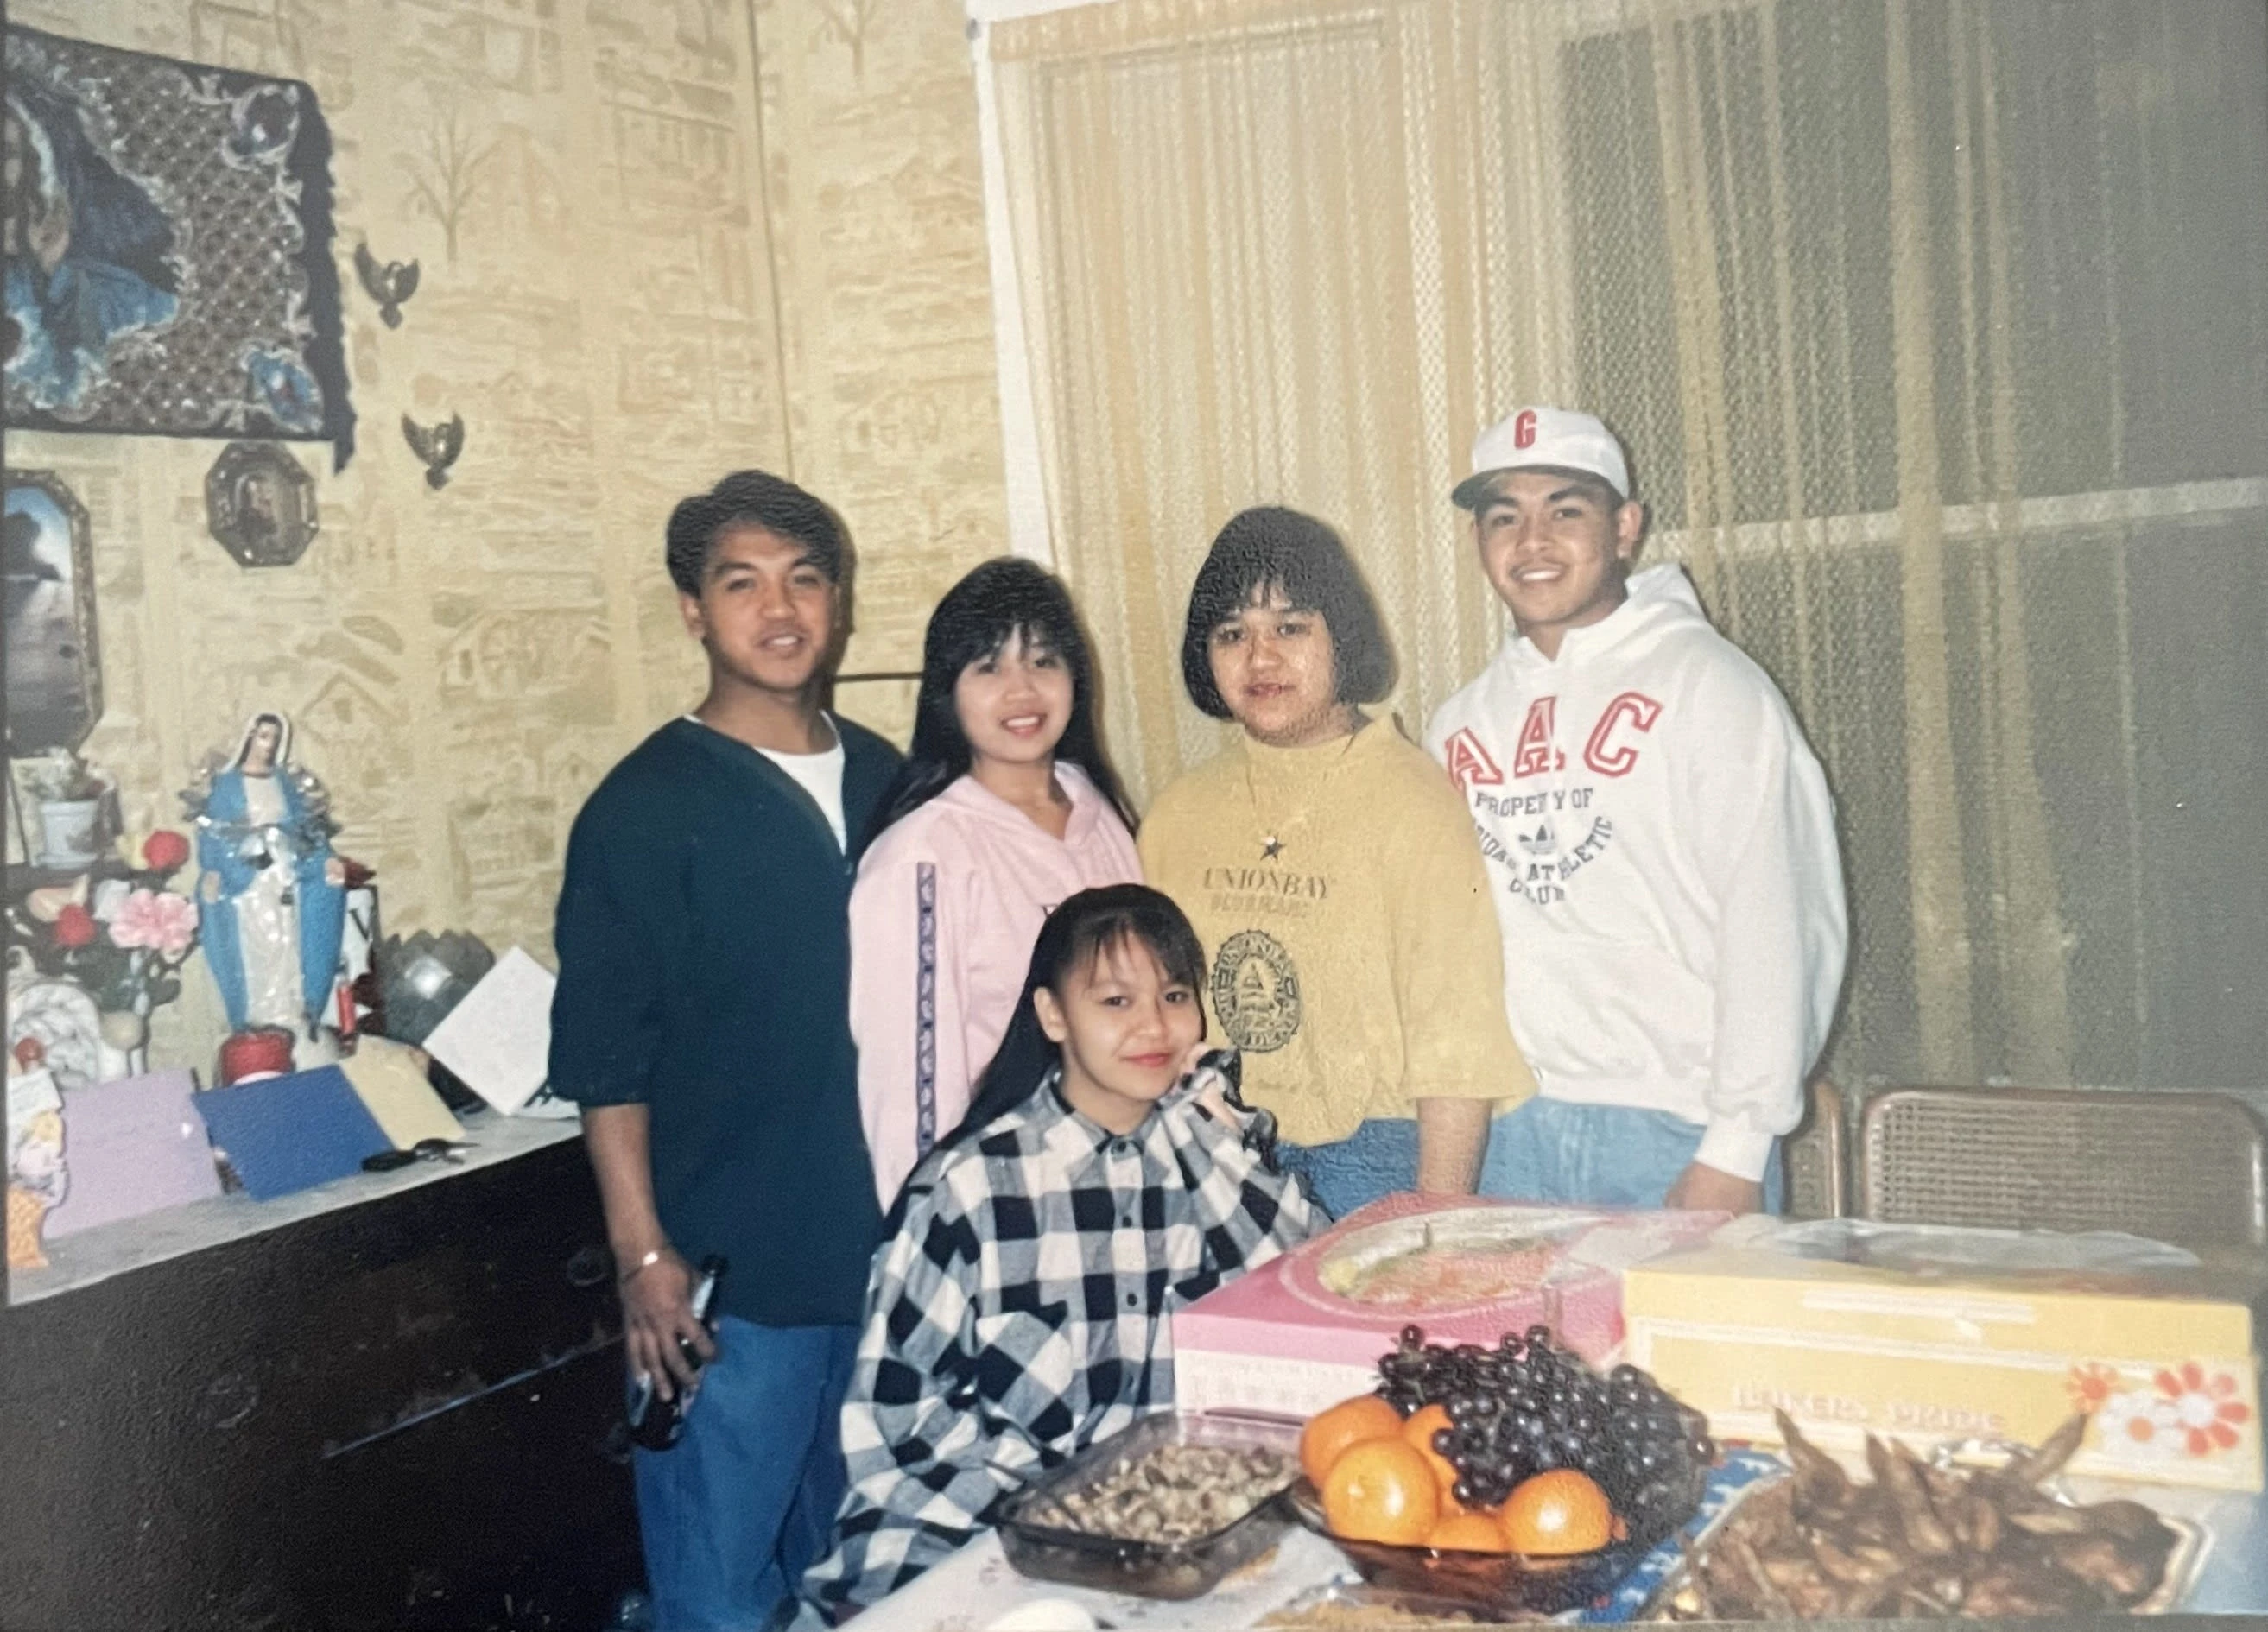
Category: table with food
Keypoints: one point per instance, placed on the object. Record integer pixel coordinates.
(1452, 1412)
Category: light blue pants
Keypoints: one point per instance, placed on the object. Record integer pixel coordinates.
(734, 1512)
(1547, 1150)
(1377, 1158)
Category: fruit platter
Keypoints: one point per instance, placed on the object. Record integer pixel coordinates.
(1516, 1478)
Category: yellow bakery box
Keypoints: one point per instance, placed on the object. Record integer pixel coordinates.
(1931, 1335)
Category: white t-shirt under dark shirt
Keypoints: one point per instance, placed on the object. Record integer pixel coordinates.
(820, 775)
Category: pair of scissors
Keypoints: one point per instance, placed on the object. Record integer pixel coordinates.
(435, 1150)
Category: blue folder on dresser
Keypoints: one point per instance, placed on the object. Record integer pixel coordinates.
(291, 1133)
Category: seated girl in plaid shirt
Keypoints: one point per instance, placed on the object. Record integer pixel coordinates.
(1099, 1183)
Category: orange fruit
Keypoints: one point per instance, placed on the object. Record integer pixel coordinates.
(1381, 1490)
(1419, 1432)
(1329, 1432)
(1471, 1533)
(1561, 1511)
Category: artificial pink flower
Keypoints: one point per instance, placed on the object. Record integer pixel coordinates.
(159, 919)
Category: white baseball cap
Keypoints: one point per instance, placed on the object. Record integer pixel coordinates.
(1557, 438)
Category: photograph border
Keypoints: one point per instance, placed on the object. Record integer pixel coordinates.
(83, 613)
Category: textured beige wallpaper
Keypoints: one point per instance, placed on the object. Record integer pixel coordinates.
(639, 269)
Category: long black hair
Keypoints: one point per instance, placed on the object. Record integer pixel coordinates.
(998, 601)
(1085, 928)
(1268, 549)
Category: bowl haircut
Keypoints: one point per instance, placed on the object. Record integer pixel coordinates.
(1269, 549)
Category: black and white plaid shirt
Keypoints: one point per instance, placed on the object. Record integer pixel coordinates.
(1020, 1314)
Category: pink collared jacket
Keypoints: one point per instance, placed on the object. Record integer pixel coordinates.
(943, 917)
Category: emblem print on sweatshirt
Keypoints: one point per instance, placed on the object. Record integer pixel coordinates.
(1255, 992)
(1541, 819)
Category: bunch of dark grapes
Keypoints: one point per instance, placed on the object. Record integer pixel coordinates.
(1527, 1407)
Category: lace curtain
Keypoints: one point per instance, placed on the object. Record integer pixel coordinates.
(1938, 332)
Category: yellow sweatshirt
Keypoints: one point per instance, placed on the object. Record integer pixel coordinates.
(1340, 894)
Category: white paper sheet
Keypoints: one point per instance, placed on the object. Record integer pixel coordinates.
(499, 1037)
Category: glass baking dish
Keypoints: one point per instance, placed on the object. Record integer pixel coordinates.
(1178, 1569)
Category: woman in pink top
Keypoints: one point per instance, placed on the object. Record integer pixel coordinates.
(1004, 807)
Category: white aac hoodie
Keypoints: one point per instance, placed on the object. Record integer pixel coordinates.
(1663, 848)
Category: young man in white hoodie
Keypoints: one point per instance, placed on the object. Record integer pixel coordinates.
(1662, 844)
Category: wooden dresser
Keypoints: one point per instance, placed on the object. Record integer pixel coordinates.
(393, 1403)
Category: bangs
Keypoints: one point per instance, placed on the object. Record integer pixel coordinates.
(1257, 577)
(1038, 642)
(1266, 590)
(988, 611)
(1168, 941)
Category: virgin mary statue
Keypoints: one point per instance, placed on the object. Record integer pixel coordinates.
(273, 895)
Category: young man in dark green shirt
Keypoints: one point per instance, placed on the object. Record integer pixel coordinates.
(702, 1021)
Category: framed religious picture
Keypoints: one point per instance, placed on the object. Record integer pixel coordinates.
(260, 503)
(168, 249)
(53, 666)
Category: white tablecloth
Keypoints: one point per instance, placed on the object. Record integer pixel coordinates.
(978, 1585)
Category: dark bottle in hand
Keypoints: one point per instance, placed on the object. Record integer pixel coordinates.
(658, 1423)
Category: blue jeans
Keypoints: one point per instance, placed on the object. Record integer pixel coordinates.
(1546, 1150)
(1379, 1158)
(735, 1512)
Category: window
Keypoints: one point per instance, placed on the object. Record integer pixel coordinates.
(1939, 334)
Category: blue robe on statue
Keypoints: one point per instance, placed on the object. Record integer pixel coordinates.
(231, 848)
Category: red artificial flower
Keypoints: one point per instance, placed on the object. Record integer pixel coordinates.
(165, 850)
(75, 926)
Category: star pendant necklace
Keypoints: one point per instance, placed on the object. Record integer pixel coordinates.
(1275, 837)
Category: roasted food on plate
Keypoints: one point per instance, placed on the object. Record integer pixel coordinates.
(1917, 1539)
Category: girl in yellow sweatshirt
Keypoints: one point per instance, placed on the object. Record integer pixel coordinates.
(1334, 871)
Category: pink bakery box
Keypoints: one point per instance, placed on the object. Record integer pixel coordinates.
(1307, 1330)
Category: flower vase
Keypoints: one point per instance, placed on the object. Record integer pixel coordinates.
(125, 1043)
(71, 833)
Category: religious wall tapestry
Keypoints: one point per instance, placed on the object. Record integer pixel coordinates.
(168, 249)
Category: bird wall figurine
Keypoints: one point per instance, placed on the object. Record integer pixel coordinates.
(438, 446)
(389, 285)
